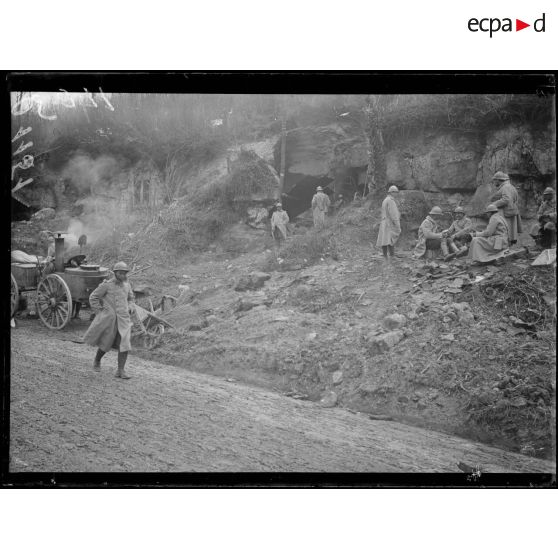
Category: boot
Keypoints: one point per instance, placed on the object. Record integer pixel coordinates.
(462, 251)
(444, 248)
(97, 361)
(122, 375)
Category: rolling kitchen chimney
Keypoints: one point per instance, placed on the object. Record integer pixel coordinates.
(59, 252)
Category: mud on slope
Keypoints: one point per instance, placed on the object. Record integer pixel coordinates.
(311, 332)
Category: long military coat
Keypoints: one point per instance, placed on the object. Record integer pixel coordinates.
(491, 241)
(428, 230)
(111, 302)
(390, 227)
(320, 206)
(506, 198)
(279, 221)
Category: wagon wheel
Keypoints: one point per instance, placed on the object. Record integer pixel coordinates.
(14, 297)
(152, 336)
(54, 302)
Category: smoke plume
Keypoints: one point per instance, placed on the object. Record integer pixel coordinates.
(101, 184)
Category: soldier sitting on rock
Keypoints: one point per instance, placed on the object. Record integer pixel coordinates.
(458, 236)
(544, 232)
(493, 241)
(429, 235)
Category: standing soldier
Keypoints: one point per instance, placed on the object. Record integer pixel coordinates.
(279, 221)
(390, 227)
(429, 234)
(112, 302)
(507, 199)
(82, 243)
(47, 239)
(320, 206)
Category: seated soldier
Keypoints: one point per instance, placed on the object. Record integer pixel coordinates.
(429, 234)
(457, 238)
(338, 204)
(544, 232)
(491, 242)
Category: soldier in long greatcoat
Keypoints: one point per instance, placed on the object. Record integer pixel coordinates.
(430, 234)
(320, 207)
(112, 301)
(390, 227)
(506, 198)
(491, 242)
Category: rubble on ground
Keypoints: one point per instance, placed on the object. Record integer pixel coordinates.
(252, 281)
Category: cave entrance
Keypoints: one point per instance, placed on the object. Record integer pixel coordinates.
(299, 198)
(349, 181)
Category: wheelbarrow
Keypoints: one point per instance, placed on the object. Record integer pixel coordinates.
(148, 326)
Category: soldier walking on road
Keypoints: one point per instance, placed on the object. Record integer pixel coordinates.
(320, 206)
(390, 227)
(112, 302)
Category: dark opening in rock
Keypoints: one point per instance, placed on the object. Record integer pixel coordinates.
(299, 198)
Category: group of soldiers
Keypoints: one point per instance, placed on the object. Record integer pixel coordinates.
(112, 301)
(320, 207)
(461, 238)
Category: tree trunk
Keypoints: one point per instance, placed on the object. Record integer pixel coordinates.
(283, 152)
(376, 169)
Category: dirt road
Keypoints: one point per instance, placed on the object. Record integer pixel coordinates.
(65, 417)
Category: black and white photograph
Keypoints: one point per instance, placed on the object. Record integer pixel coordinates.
(258, 277)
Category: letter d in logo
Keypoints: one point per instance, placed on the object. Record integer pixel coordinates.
(540, 21)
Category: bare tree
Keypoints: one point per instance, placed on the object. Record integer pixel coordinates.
(376, 169)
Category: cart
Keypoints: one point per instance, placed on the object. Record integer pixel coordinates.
(61, 290)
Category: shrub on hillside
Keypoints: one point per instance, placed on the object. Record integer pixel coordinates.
(200, 218)
(249, 175)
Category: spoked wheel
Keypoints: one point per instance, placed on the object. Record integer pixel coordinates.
(14, 297)
(54, 302)
(153, 335)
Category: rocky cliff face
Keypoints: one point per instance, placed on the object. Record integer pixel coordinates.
(447, 165)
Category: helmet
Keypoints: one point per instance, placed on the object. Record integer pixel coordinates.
(436, 211)
(278, 204)
(120, 266)
(319, 189)
(459, 209)
(393, 188)
(491, 208)
(500, 176)
(548, 190)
